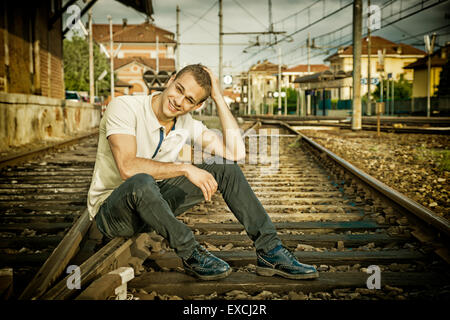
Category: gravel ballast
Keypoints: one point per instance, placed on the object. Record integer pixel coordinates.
(416, 165)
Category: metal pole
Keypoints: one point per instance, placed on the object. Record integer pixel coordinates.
(279, 80)
(220, 44)
(393, 99)
(249, 94)
(308, 45)
(111, 55)
(178, 39)
(270, 17)
(369, 51)
(381, 90)
(285, 104)
(357, 30)
(428, 85)
(157, 54)
(430, 48)
(91, 61)
(387, 96)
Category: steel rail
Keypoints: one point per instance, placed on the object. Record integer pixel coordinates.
(29, 155)
(411, 206)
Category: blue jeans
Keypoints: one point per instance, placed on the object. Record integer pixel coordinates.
(142, 204)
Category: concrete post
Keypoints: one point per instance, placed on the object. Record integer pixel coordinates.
(357, 30)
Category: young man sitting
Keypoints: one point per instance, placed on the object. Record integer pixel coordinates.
(137, 186)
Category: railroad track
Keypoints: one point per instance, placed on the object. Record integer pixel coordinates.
(437, 125)
(329, 216)
(39, 202)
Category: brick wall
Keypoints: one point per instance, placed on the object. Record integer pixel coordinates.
(30, 53)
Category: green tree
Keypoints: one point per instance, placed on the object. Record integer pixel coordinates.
(291, 100)
(76, 66)
(402, 89)
(444, 81)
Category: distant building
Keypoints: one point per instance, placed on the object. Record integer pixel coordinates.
(140, 48)
(396, 57)
(289, 75)
(420, 70)
(263, 81)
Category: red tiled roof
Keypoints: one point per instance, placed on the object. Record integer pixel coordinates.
(304, 68)
(144, 32)
(266, 66)
(164, 63)
(379, 43)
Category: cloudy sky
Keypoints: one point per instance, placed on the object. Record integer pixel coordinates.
(331, 19)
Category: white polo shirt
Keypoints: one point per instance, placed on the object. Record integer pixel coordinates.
(134, 115)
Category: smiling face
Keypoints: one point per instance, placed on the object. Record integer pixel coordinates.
(181, 96)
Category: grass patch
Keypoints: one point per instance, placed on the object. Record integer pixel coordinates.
(442, 158)
(297, 143)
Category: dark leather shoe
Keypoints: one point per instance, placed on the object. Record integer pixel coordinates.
(205, 266)
(280, 261)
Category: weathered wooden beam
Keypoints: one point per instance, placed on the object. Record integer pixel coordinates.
(38, 226)
(119, 252)
(106, 257)
(338, 226)
(29, 242)
(23, 259)
(6, 283)
(185, 286)
(58, 260)
(240, 258)
(321, 240)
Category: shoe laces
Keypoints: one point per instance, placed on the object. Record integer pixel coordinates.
(289, 253)
(202, 250)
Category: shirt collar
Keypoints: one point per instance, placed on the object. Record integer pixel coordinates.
(154, 123)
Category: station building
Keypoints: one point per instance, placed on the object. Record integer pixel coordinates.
(138, 48)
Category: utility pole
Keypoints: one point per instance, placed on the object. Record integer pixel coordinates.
(249, 93)
(270, 20)
(308, 98)
(220, 45)
(388, 104)
(429, 47)
(369, 105)
(308, 45)
(357, 30)
(91, 61)
(393, 99)
(279, 79)
(178, 39)
(111, 55)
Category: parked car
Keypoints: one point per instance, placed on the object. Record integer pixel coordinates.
(73, 96)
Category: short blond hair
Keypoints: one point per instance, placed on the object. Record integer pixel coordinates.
(200, 75)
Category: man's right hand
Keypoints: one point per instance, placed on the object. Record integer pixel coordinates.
(202, 179)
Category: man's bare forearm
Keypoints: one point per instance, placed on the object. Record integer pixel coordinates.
(231, 132)
(166, 170)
